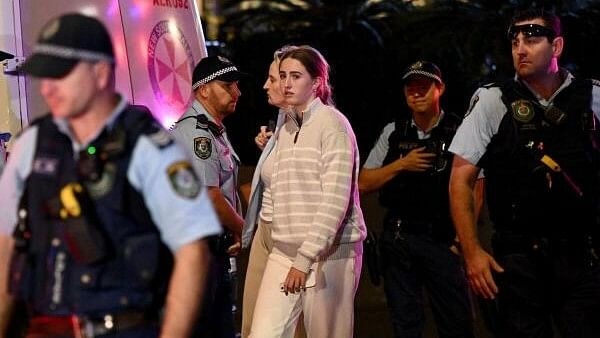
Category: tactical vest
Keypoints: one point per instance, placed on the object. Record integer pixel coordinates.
(134, 273)
(527, 197)
(421, 197)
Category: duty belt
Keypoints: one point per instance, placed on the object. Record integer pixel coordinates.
(84, 327)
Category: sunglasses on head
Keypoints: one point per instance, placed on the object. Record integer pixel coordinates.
(530, 30)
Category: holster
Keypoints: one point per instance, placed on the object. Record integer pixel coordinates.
(371, 253)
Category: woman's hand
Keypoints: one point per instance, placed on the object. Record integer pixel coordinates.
(294, 282)
(263, 137)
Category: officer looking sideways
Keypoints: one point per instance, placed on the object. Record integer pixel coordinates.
(201, 131)
(110, 218)
(410, 166)
(536, 140)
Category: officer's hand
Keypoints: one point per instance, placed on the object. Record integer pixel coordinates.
(479, 266)
(294, 282)
(416, 160)
(263, 137)
(234, 249)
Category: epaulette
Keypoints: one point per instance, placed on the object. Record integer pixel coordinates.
(160, 138)
(491, 85)
(202, 122)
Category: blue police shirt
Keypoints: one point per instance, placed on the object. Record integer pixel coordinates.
(213, 157)
(179, 219)
(485, 114)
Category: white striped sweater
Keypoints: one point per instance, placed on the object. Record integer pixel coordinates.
(314, 186)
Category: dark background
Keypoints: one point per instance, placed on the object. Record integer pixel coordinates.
(369, 43)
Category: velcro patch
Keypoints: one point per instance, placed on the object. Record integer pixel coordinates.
(183, 179)
(202, 147)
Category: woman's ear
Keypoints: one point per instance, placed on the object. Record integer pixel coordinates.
(316, 84)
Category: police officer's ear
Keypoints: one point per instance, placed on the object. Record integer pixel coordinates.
(202, 92)
(557, 46)
(441, 87)
(104, 72)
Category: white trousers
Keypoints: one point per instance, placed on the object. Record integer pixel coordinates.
(328, 307)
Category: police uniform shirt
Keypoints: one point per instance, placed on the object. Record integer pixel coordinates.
(213, 157)
(380, 150)
(486, 111)
(181, 218)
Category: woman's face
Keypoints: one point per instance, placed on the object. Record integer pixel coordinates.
(297, 85)
(274, 94)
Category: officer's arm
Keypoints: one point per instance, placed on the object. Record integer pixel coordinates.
(186, 289)
(373, 179)
(479, 264)
(6, 300)
(228, 216)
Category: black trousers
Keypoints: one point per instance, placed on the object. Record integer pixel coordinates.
(217, 318)
(411, 262)
(545, 288)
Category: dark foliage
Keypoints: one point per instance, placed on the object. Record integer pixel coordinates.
(368, 43)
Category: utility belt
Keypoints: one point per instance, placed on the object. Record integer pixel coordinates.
(87, 327)
(413, 226)
(586, 247)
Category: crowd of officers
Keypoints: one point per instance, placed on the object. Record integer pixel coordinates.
(113, 227)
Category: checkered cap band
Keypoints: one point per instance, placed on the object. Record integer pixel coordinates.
(213, 76)
(71, 53)
(422, 73)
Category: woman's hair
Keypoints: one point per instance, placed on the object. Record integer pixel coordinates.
(317, 67)
(281, 51)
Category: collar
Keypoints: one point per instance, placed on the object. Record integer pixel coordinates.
(414, 124)
(203, 119)
(564, 73)
(307, 113)
(63, 125)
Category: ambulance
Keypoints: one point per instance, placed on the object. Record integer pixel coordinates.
(157, 44)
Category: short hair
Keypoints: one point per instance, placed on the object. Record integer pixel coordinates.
(550, 19)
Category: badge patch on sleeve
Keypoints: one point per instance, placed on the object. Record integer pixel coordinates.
(202, 147)
(183, 179)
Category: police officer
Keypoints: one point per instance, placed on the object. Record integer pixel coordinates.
(201, 130)
(110, 218)
(410, 166)
(535, 137)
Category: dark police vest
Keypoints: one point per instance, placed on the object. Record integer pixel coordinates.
(527, 197)
(421, 198)
(134, 272)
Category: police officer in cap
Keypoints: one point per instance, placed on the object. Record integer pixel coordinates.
(201, 131)
(410, 166)
(536, 140)
(108, 218)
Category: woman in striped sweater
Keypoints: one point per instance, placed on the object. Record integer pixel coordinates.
(306, 185)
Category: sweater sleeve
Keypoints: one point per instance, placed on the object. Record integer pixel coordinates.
(337, 165)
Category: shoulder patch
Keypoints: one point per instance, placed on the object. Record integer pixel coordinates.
(160, 138)
(202, 147)
(183, 179)
(474, 101)
(596, 82)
